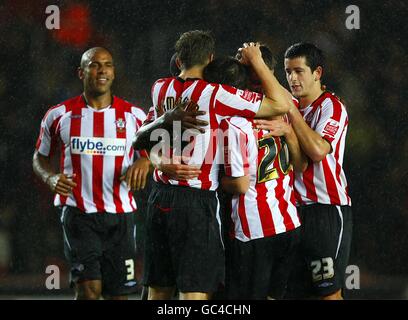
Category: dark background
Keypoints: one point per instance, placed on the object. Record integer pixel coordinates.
(367, 68)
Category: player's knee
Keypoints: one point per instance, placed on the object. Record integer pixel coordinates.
(110, 297)
(160, 293)
(89, 290)
(195, 296)
(334, 296)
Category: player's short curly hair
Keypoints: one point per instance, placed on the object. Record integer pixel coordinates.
(313, 55)
(194, 48)
(227, 70)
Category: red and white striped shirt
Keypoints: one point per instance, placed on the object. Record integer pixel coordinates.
(268, 207)
(218, 101)
(96, 145)
(325, 182)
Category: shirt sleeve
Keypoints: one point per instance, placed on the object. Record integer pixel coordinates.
(236, 162)
(333, 119)
(48, 131)
(230, 101)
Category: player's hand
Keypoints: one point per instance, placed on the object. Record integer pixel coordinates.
(276, 127)
(249, 52)
(61, 184)
(136, 174)
(186, 113)
(176, 168)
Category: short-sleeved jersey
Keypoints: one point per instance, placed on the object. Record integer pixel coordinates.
(268, 207)
(325, 181)
(218, 101)
(96, 146)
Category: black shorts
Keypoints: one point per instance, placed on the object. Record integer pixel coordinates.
(260, 268)
(101, 246)
(183, 246)
(323, 254)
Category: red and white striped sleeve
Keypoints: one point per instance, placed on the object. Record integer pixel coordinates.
(48, 131)
(230, 101)
(333, 118)
(236, 162)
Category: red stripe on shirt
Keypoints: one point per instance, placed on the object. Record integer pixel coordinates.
(308, 182)
(337, 153)
(97, 163)
(336, 109)
(242, 216)
(280, 192)
(330, 183)
(120, 134)
(264, 211)
(162, 95)
(204, 176)
(75, 131)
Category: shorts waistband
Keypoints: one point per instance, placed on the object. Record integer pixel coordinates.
(202, 192)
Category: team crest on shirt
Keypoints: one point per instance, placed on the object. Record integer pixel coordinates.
(120, 125)
(331, 128)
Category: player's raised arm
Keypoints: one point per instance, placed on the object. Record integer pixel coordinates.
(276, 100)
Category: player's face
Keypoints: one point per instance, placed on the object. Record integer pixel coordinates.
(99, 73)
(300, 77)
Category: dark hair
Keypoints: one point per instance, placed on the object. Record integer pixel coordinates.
(174, 69)
(313, 55)
(194, 48)
(267, 56)
(227, 70)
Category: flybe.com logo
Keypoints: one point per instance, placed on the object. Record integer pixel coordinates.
(98, 146)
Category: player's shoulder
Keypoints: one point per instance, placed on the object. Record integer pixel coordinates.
(331, 100)
(120, 102)
(162, 81)
(64, 106)
(330, 97)
(129, 107)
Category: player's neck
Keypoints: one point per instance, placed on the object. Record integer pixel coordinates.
(193, 73)
(312, 96)
(98, 102)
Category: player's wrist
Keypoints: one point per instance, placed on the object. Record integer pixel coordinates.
(52, 180)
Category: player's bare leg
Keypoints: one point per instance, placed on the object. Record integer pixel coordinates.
(161, 293)
(195, 296)
(334, 296)
(89, 290)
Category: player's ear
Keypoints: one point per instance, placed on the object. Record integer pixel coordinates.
(211, 57)
(178, 63)
(80, 73)
(318, 73)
